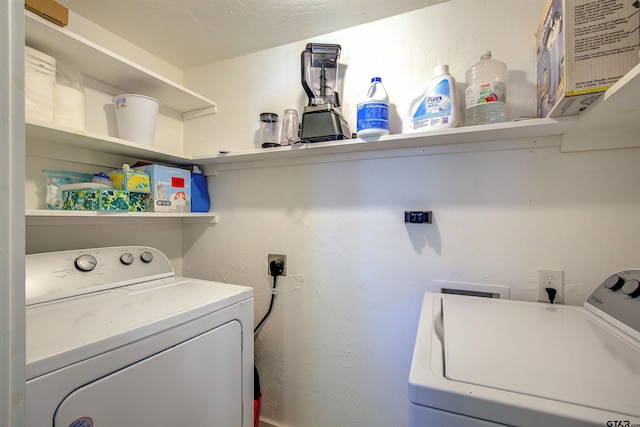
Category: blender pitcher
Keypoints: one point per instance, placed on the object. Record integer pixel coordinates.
(322, 119)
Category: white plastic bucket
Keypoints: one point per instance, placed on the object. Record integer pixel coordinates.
(136, 116)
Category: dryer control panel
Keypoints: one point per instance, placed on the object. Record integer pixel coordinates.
(56, 275)
(617, 301)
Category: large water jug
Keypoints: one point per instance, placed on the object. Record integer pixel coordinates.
(486, 92)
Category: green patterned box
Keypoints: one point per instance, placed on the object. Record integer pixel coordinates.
(96, 200)
(137, 202)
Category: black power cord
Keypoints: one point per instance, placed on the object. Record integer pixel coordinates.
(551, 293)
(276, 267)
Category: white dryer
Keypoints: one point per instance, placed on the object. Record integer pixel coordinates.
(490, 362)
(115, 338)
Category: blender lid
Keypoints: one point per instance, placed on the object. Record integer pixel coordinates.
(325, 48)
(319, 67)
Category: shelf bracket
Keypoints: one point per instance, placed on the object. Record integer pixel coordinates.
(200, 220)
(202, 112)
(600, 139)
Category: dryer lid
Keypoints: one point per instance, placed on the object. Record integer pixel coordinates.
(60, 333)
(554, 352)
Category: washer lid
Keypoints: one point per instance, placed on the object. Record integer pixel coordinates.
(63, 332)
(553, 352)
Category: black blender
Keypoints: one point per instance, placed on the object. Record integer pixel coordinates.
(322, 119)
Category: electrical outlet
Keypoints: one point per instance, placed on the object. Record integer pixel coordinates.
(272, 257)
(551, 279)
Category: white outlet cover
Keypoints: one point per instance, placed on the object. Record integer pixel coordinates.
(550, 278)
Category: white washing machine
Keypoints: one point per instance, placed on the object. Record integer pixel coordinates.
(114, 338)
(489, 362)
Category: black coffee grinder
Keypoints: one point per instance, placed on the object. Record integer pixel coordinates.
(322, 119)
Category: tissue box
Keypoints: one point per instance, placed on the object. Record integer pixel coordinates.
(583, 48)
(131, 180)
(95, 200)
(138, 202)
(170, 189)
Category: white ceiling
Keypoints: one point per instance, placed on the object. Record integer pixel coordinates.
(189, 33)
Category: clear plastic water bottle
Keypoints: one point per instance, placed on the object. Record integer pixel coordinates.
(486, 92)
(373, 112)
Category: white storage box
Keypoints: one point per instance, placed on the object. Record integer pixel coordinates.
(39, 84)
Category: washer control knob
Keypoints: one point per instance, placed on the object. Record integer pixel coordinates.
(632, 288)
(126, 258)
(85, 262)
(146, 257)
(613, 282)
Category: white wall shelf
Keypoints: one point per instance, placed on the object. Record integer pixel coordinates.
(64, 217)
(511, 131)
(108, 67)
(612, 122)
(63, 136)
(534, 128)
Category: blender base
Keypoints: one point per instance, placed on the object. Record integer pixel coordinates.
(323, 125)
